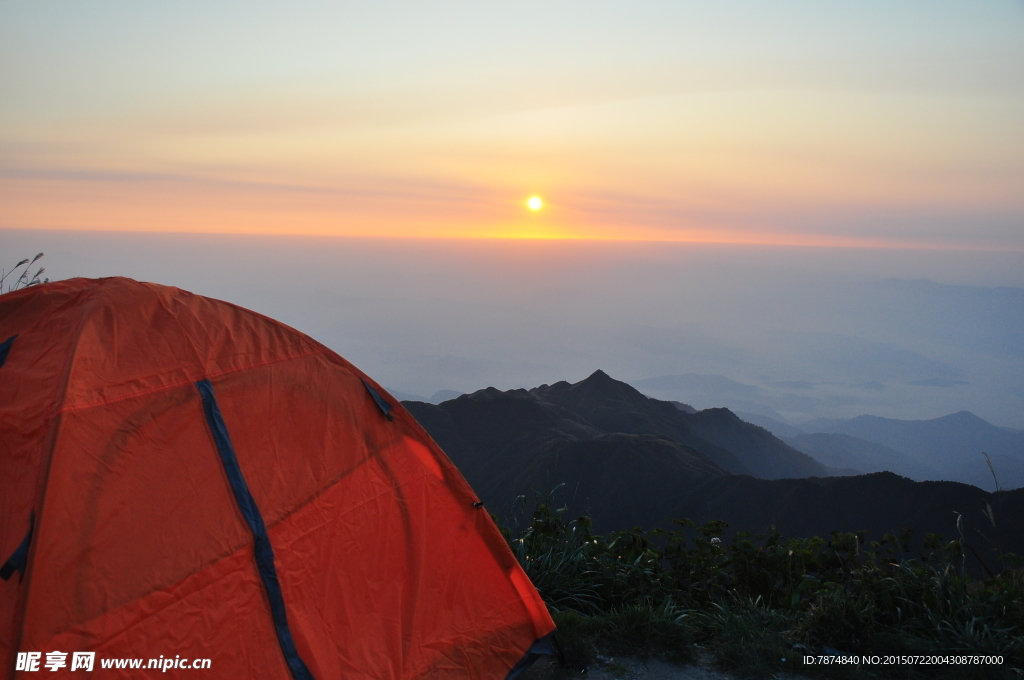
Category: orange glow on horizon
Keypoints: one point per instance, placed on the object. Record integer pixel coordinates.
(87, 205)
(526, 233)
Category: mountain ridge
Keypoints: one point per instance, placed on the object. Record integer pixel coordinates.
(616, 455)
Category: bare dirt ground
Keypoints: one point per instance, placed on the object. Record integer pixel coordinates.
(630, 668)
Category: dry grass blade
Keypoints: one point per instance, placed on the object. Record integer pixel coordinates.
(25, 279)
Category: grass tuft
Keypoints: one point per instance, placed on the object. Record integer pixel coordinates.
(25, 279)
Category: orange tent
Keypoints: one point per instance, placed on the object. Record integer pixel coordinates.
(181, 478)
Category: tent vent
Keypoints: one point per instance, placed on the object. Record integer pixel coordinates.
(385, 407)
(17, 561)
(5, 347)
(262, 549)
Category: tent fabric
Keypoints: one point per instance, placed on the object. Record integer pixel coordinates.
(385, 565)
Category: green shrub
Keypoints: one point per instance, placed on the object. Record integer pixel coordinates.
(761, 603)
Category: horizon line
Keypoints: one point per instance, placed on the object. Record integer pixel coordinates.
(793, 241)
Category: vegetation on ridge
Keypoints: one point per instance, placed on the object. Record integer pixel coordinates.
(26, 278)
(761, 603)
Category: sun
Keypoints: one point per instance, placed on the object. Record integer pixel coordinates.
(534, 203)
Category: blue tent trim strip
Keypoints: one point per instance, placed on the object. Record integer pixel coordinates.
(547, 645)
(263, 551)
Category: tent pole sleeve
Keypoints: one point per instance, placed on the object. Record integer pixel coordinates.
(263, 551)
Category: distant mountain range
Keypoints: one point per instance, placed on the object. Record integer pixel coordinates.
(947, 448)
(859, 455)
(627, 460)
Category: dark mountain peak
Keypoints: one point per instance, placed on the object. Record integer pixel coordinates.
(600, 383)
(614, 406)
(596, 390)
(500, 422)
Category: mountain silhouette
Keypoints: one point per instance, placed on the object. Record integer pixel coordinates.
(629, 460)
(739, 447)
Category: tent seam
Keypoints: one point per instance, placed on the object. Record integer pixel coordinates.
(43, 484)
(217, 560)
(188, 381)
(312, 498)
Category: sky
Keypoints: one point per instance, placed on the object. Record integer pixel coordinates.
(791, 332)
(798, 209)
(803, 123)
